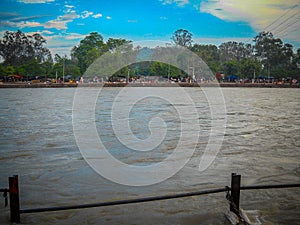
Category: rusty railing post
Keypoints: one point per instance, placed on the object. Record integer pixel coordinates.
(235, 193)
(14, 199)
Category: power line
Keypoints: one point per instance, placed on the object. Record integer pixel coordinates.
(280, 17)
(288, 27)
(285, 23)
(282, 24)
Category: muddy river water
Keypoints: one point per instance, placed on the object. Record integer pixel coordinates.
(261, 141)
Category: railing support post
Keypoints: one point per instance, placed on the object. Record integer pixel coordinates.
(14, 199)
(235, 193)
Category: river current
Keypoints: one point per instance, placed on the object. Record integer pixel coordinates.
(261, 141)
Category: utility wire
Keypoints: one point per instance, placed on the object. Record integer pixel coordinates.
(288, 27)
(275, 21)
(286, 24)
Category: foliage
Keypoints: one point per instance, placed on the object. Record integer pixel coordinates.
(182, 37)
(17, 48)
(208, 53)
(235, 51)
(269, 56)
(272, 52)
(250, 67)
(113, 44)
(65, 66)
(230, 67)
(89, 49)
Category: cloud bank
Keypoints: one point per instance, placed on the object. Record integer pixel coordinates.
(282, 18)
(35, 1)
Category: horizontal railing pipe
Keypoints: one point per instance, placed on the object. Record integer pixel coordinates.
(128, 201)
(233, 197)
(155, 198)
(274, 186)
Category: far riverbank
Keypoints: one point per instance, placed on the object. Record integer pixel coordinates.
(182, 84)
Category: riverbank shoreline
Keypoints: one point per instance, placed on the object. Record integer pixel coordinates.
(225, 85)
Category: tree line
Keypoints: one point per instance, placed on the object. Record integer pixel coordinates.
(267, 56)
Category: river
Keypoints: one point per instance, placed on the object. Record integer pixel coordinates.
(261, 142)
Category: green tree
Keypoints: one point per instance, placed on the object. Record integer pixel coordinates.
(92, 55)
(65, 66)
(9, 70)
(159, 69)
(209, 54)
(250, 68)
(32, 69)
(47, 68)
(235, 51)
(72, 70)
(113, 44)
(295, 67)
(272, 52)
(230, 67)
(182, 37)
(91, 47)
(17, 48)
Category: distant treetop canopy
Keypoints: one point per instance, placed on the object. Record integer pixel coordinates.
(182, 37)
(267, 56)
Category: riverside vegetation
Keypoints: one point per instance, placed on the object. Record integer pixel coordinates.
(267, 56)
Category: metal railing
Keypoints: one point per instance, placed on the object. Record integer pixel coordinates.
(233, 196)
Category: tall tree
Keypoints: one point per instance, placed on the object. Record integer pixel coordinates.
(296, 59)
(89, 49)
(65, 66)
(230, 67)
(272, 52)
(182, 37)
(17, 48)
(112, 43)
(235, 51)
(208, 53)
(250, 68)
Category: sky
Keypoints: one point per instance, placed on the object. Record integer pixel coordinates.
(64, 23)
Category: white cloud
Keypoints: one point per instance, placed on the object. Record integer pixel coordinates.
(98, 15)
(69, 9)
(163, 18)
(35, 1)
(256, 12)
(178, 2)
(34, 32)
(21, 24)
(259, 14)
(8, 24)
(74, 36)
(60, 23)
(86, 14)
(108, 17)
(47, 32)
(60, 51)
(273, 15)
(57, 24)
(25, 18)
(68, 17)
(132, 21)
(70, 6)
(62, 43)
(218, 41)
(52, 37)
(29, 24)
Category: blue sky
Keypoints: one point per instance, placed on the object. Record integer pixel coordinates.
(65, 23)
